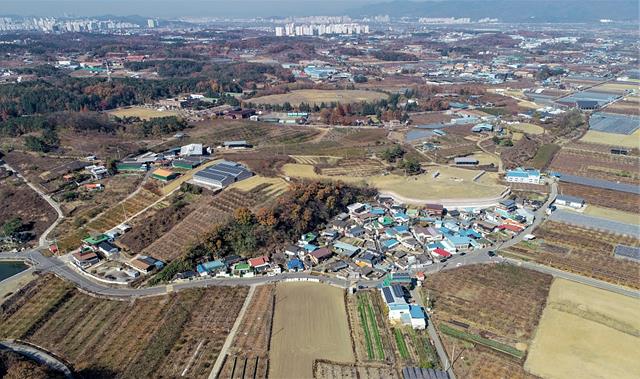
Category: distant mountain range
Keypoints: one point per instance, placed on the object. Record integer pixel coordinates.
(554, 11)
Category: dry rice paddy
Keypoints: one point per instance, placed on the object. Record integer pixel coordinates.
(618, 140)
(310, 323)
(586, 331)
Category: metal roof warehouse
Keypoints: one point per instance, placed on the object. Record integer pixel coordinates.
(222, 174)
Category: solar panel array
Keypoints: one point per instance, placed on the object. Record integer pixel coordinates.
(630, 252)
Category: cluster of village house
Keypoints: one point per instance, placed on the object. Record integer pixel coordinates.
(374, 239)
(368, 242)
(101, 247)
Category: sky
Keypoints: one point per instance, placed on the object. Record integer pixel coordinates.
(179, 8)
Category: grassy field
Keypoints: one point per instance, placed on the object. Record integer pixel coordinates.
(141, 112)
(618, 140)
(544, 155)
(310, 323)
(586, 330)
(316, 96)
(452, 183)
(618, 88)
(527, 128)
(612, 214)
(484, 158)
(276, 186)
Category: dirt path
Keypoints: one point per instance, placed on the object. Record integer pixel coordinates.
(42, 242)
(479, 144)
(232, 335)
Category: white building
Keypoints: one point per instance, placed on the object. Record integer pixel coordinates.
(520, 175)
(570, 201)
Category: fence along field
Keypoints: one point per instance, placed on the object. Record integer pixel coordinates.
(160, 336)
(580, 250)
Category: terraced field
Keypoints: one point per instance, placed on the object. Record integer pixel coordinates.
(210, 212)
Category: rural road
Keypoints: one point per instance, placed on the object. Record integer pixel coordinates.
(37, 355)
(58, 267)
(433, 334)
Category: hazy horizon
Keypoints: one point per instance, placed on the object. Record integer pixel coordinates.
(189, 8)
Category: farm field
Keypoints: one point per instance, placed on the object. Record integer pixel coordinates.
(330, 370)
(586, 330)
(616, 168)
(527, 128)
(17, 199)
(161, 336)
(215, 132)
(317, 96)
(248, 356)
(110, 218)
(490, 311)
(623, 201)
(273, 187)
(612, 214)
(580, 250)
(630, 105)
(499, 300)
(343, 142)
(451, 183)
(355, 167)
(316, 159)
(481, 362)
(619, 88)
(310, 322)
(141, 112)
(611, 139)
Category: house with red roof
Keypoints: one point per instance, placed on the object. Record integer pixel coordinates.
(259, 264)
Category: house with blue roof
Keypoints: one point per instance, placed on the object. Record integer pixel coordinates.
(401, 217)
(399, 310)
(389, 244)
(295, 265)
(211, 267)
(521, 175)
(345, 249)
(309, 247)
(459, 242)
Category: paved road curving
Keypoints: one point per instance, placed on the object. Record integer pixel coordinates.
(58, 267)
(37, 354)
